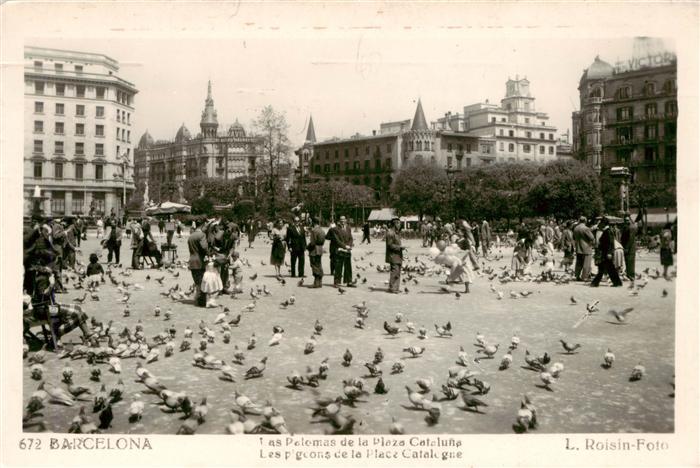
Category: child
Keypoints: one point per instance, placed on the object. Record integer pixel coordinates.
(95, 272)
(548, 261)
(211, 282)
(460, 270)
(237, 267)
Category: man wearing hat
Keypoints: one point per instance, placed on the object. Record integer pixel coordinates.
(296, 243)
(583, 240)
(315, 248)
(394, 254)
(628, 239)
(341, 236)
(606, 245)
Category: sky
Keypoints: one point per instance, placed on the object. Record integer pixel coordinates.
(349, 84)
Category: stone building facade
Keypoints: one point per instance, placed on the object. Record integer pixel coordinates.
(78, 119)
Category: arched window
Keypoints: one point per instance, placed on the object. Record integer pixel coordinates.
(419, 145)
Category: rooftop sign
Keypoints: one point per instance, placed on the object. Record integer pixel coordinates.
(649, 61)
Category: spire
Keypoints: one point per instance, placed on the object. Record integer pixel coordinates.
(209, 123)
(310, 132)
(419, 122)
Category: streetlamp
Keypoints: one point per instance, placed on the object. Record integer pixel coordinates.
(124, 158)
(450, 177)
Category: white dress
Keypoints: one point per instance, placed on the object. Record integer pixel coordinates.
(211, 281)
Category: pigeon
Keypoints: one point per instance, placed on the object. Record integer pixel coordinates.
(200, 411)
(514, 342)
(471, 403)
(569, 348)
(573, 300)
(443, 331)
(414, 351)
(398, 318)
(637, 373)
(416, 399)
(608, 359)
(506, 361)
(396, 428)
(547, 379)
(390, 329)
(136, 411)
(318, 328)
(257, 370)
(620, 316)
(347, 358)
(374, 370)
(381, 388)
(489, 351)
(37, 371)
(425, 384)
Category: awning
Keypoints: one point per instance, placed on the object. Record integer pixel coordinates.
(168, 208)
(384, 214)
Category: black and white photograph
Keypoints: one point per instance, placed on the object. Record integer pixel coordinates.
(416, 234)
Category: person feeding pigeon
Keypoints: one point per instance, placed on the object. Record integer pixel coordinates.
(394, 254)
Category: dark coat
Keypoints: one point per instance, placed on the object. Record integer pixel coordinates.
(394, 253)
(316, 241)
(583, 239)
(296, 238)
(341, 237)
(198, 247)
(628, 237)
(606, 243)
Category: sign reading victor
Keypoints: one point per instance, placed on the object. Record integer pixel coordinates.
(637, 63)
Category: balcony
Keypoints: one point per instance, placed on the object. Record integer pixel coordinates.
(594, 101)
(671, 115)
(624, 141)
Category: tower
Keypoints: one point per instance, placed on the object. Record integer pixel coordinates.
(209, 123)
(310, 132)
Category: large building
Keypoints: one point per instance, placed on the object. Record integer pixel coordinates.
(78, 118)
(520, 131)
(628, 116)
(373, 160)
(226, 155)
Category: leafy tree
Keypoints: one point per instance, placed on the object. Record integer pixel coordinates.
(420, 188)
(272, 127)
(202, 206)
(565, 189)
(335, 198)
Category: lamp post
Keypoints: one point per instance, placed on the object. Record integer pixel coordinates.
(450, 178)
(124, 158)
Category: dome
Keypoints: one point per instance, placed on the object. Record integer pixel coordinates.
(146, 140)
(236, 130)
(599, 69)
(183, 134)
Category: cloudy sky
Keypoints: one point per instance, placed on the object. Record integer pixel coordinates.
(348, 84)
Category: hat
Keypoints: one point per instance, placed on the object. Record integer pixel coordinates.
(342, 218)
(582, 219)
(395, 218)
(296, 219)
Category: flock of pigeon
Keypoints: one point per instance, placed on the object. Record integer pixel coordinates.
(126, 352)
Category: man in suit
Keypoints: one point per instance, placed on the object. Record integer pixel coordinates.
(394, 255)
(485, 237)
(333, 247)
(341, 235)
(198, 247)
(296, 243)
(315, 248)
(606, 246)
(583, 240)
(628, 239)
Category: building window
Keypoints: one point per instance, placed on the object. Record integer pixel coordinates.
(38, 87)
(99, 171)
(510, 133)
(671, 153)
(649, 89)
(649, 154)
(670, 86)
(527, 120)
(509, 106)
(511, 147)
(100, 92)
(469, 162)
(449, 147)
(38, 65)
(80, 148)
(326, 168)
(38, 146)
(80, 91)
(99, 112)
(80, 110)
(624, 92)
(38, 107)
(500, 132)
(670, 130)
(650, 109)
(503, 119)
(387, 163)
(118, 135)
(128, 136)
(99, 149)
(60, 89)
(493, 119)
(541, 149)
(528, 134)
(59, 130)
(671, 108)
(60, 109)
(624, 113)
(99, 130)
(347, 166)
(624, 135)
(78, 200)
(37, 170)
(378, 164)
(58, 170)
(366, 164)
(388, 148)
(58, 147)
(317, 168)
(58, 67)
(58, 202)
(38, 126)
(650, 132)
(128, 118)
(80, 129)
(356, 165)
(551, 150)
(78, 68)
(526, 148)
(410, 146)
(500, 146)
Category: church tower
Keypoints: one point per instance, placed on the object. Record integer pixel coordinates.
(209, 123)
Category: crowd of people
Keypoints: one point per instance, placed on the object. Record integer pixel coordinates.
(216, 266)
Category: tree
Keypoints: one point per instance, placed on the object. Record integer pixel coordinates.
(202, 206)
(335, 198)
(136, 200)
(566, 189)
(272, 127)
(420, 188)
